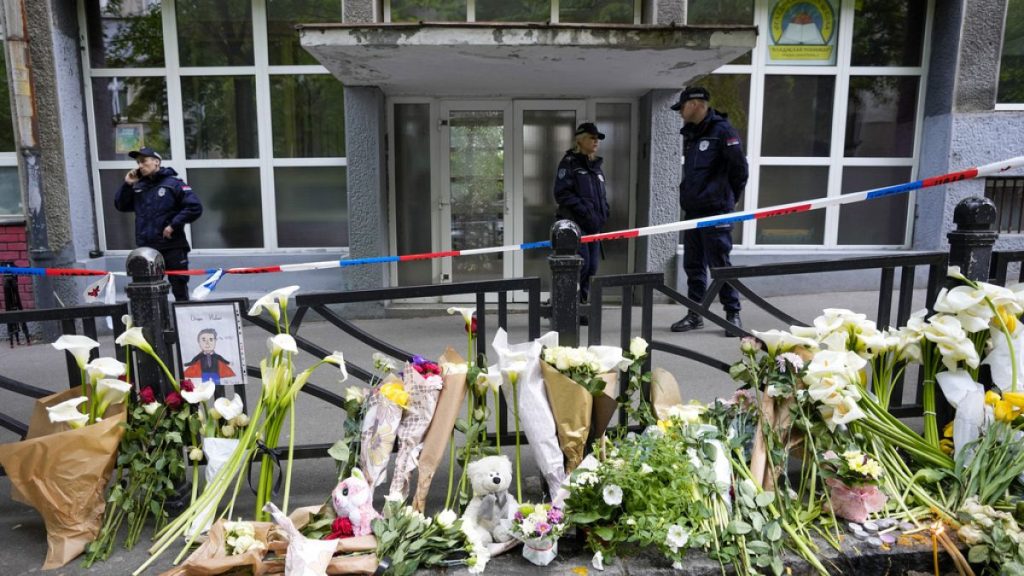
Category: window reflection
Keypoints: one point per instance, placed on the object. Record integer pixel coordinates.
(130, 113)
(513, 10)
(232, 210)
(215, 33)
(283, 39)
(124, 34)
(797, 115)
(882, 221)
(312, 207)
(596, 11)
(880, 116)
(220, 116)
(1011, 65)
(412, 169)
(428, 10)
(720, 12)
(10, 191)
(308, 115)
(887, 33)
(6, 123)
(784, 184)
(730, 95)
(119, 227)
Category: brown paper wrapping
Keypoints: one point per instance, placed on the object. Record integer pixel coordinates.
(573, 408)
(63, 474)
(211, 559)
(439, 433)
(415, 421)
(664, 393)
(605, 405)
(780, 420)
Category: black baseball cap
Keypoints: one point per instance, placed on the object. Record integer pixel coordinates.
(144, 152)
(589, 128)
(691, 93)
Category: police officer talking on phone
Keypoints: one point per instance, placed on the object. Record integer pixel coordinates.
(714, 176)
(163, 204)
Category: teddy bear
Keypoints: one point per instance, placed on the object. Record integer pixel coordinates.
(492, 509)
(353, 499)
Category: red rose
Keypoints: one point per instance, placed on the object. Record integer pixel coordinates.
(174, 400)
(187, 385)
(340, 528)
(418, 368)
(432, 368)
(147, 396)
(472, 326)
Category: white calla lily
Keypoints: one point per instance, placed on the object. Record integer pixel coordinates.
(467, 314)
(151, 408)
(282, 342)
(229, 409)
(338, 359)
(490, 380)
(133, 337)
(266, 303)
(111, 391)
(200, 392)
(79, 346)
(67, 412)
(776, 341)
(998, 359)
(109, 367)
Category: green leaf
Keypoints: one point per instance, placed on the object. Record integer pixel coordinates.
(774, 532)
(764, 498)
(605, 532)
(739, 527)
(160, 464)
(173, 437)
(776, 565)
(978, 554)
(339, 451)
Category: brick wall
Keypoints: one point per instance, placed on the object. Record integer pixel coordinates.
(13, 248)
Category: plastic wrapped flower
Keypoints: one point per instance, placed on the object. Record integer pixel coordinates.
(395, 392)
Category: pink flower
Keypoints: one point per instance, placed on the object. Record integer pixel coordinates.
(543, 528)
(555, 516)
(856, 503)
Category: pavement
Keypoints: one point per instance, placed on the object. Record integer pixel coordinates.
(425, 330)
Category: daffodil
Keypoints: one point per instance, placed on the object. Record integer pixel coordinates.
(67, 412)
(200, 393)
(395, 392)
(229, 409)
(78, 346)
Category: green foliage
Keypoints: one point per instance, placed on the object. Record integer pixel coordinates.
(410, 540)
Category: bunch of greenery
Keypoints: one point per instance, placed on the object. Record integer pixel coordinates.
(408, 540)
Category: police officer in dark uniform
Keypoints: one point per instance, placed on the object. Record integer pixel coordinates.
(163, 204)
(580, 194)
(714, 176)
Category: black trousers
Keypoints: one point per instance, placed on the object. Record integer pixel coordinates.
(177, 259)
(704, 248)
(591, 254)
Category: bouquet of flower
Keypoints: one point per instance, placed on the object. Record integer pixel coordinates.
(423, 382)
(408, 539)
(222, 428)
(439, 433)
(582, 388)
(853, 481)
(380, 428)
(538, 527)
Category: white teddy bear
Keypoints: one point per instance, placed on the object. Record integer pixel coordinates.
(492, 509)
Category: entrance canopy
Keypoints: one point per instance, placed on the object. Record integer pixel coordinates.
(522, 60)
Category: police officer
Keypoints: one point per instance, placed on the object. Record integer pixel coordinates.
(163, 204)
(580, 194)
(714, 176)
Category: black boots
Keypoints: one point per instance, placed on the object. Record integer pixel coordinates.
(734, 319)
(689, 322)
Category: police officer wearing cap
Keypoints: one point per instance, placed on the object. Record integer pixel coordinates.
(163, 204)
(714, 176)
(580, 194)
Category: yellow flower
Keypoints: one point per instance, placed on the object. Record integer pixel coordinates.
(1009, 319)
(946, 445)
(991, 398)
(395, 392)
(947, 432)
(1004, 411)
(664, 425)
(1014, 398)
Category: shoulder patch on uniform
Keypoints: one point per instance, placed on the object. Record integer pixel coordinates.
(562, 172)
(732, 141)
(703, 145)
(186, 187)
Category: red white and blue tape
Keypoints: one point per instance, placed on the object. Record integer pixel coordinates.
(768, 212)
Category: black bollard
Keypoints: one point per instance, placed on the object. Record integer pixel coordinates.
(147, 296)
(565, 263)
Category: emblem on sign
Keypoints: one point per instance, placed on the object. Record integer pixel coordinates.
(703, 145)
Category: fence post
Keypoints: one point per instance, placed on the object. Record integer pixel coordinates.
(565, 263)
(147, 296)
(970, 245)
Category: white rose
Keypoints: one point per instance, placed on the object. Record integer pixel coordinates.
(446, 518)
(638, 347)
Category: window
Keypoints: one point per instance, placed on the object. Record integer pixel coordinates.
(258, 133)
(1011, 65)
(573, 11)
(1008, 196)
(10, 184)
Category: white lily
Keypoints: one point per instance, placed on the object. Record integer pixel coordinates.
(490, 380)
(338, 359)
(269, 304)
(776, 341)
(67, 411)
(111, 391)
(282, 342)
(229, 409)
(126, 319)
(200, 392)
(999, 358)
(79, 346)
(356, 393)
(968, 397)
(109, 367)
(467, 314)
(133, 337)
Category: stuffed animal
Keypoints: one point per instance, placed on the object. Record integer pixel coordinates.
(353, 499)
(492, 508)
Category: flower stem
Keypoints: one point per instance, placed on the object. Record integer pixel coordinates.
(515, 416)
(291, 453)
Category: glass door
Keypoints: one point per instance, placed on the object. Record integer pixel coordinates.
(475, 189)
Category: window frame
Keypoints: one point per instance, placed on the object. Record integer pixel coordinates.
(262, 70)
(552, 18)
(10, 159)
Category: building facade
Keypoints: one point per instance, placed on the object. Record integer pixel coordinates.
(321, 129)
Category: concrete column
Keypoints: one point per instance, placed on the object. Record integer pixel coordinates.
(365, 120)
(359, 11)
(660, 170)
(44, 72)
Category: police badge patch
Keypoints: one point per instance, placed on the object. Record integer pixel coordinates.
(703, 145)
(561, 173)
(161, 192)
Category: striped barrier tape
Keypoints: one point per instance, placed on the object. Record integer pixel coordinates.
(706, 222)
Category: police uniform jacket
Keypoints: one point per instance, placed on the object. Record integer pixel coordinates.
(580, 192)
(159, 200)
(714, 167)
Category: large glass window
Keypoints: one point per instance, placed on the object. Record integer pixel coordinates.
(882, 221)
(10, 184)
(312, 207)
(220, 116)
(125, 34)
(215, 33)
(797, 115)
(720, 12)
(428, 10)
(131, 112)
(594, 11)
(10, 191)
(880, 116)
(730, 94)
(6, 122)
(513, 10)
(412, 170)
(784, 184)
(232, 213)
(308, 116)
(887, 33)
(1011, 65)
(283, 39)
(119, 227)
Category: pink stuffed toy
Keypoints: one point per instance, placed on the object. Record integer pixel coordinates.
(353, 499)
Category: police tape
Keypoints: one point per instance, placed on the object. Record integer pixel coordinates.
(707, 222)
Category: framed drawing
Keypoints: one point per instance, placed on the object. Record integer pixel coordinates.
(128, 137)
(210, 341)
